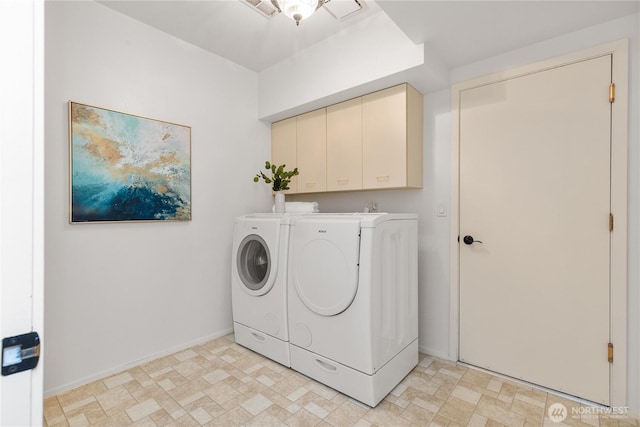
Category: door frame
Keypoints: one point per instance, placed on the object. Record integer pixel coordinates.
(618, 254)
(24, 99)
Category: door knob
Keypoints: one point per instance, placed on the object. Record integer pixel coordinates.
(469, 240)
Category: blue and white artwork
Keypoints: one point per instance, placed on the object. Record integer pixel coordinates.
(128, 168)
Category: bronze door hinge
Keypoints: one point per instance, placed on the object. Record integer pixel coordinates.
(612, 92)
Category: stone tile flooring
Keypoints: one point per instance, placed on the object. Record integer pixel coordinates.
(220, 383)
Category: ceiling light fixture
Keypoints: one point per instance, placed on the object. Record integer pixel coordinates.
(298, 9)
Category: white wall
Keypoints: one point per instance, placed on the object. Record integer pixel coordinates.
(434, 238)
(121, 292)
(381, 49)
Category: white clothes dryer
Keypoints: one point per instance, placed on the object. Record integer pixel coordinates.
(259, 284)
(353, 301)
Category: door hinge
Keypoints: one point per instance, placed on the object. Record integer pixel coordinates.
(612, 92)
(610, 222)
(610, 353)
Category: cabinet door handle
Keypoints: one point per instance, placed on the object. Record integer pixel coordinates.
(343, 181)
(382, 178)
(310, 184)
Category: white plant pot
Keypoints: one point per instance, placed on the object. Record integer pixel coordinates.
(279, 202)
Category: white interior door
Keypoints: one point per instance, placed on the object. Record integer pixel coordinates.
(535, 198)
(21, 200)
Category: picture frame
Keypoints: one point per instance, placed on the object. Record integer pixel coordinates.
(125, 167)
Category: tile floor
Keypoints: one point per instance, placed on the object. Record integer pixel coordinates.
(220, 383)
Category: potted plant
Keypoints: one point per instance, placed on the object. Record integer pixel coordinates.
(279, 180)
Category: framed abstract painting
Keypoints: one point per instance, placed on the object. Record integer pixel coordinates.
(127, 168)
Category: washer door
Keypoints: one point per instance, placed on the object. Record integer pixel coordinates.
(254, 265)
(325, 264)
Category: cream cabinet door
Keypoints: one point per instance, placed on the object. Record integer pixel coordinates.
(384, 138)
(392, 138)
(283, 148)
(312, 151)
(344, 145)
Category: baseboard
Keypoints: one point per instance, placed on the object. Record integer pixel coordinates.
(435, 353)
(129, 365)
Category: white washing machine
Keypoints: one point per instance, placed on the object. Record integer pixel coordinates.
(353, 301)
(259, 284)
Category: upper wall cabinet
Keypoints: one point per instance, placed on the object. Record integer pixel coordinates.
(312, 151)
(370, 142)
(392, 138)
(344, 146)
(283, 148)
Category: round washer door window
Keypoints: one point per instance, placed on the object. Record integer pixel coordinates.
(254, 265)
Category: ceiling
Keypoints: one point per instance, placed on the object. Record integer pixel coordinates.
(461, 32)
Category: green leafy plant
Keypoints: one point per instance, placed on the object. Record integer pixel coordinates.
(280, 178)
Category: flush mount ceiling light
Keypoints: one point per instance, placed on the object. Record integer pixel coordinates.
(298, 9)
